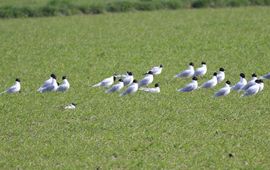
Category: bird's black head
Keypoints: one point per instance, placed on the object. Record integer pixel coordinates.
(203, 62)
(53, 76)
(221, 69)
(130, 73)
(114, 78)
(228, 82)
(120, 80)
(157, 85)
(150, 72)
(215, 74)
(161, 66)
(194, 78)
(74, 104)
(135, 81)
(242, 75)
(191, 64)
(258, 81)
(18, 80)
(64, 77)
(254, 75)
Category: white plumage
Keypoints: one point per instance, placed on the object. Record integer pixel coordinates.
(106, 82)
(186, 73)
(116, 87)
(64, 86)
(148, 79)
(201, 71)
(14, 88)
(210, 83)
(191, 86)
(224, 91)
(155, 89)
(238, 86)
(221, 75)
(131, 89)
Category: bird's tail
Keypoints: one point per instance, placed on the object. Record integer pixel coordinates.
(96, 85)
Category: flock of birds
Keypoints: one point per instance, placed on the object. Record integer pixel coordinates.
(249, 88)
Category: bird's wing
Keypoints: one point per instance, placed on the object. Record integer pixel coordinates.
(189, 87)
(221, 92)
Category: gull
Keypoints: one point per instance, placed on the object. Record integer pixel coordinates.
(201, 71)
(70, 106)
(106, 82)
(64, 86)
(157, 70)
(148, 79)
(251, 82)
(128, 79)
(238, 86)
(47, 82)
(49, 87)
(266, 76)
(116, 87)
(131, 89)
(14, 88)
(225, 90)
(221, 75)
(156, 89)
(252, 90)
(186, 73)
(210, 83)
(191, 86)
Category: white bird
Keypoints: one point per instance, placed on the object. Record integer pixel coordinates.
(157, 69)
(186, 73)
(64, 86)
(156, 89)
(225, 90)
(47, 82)
(128, 79)
(106, 82)
(221, 75)
(14, 88)
(131, 89)
(148, 79)
(266, 76)
(116, 87)
(252, 90)
(70, 106)
(201, 71)
(49, 87)
(251, 82)
(238, 86)
(191, 86)
(210, 83)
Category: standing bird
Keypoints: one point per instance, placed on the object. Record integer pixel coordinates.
(221, 75)
(266, 76)
(238, 86)
(225, 90)
(186, 73)
(210, 83)
(128, 78)
(64, 86)
(201, 71)
(116, 87)
(49, 87)
(191, 86)
(157, 70)
(148, 79)
(252, 90)
(131, 89)
(106, 82)
(156, 89)
(251, 82)
(47, 82)
(14, 88)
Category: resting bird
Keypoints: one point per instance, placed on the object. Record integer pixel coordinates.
(225, 90)
(252, 90)
(116, 87)
(128, 79)
(47, 82)
(186, 73)
(148, 79)
(14, 88)
(210, 83)
(191, 86)
(251, 82)
(64, 86)
(49, 87)
(156, 89)
(266, 76)
(133, 88)
(238, 86)
(157, 70)
(106, 82)
(221, 75)
(201, 71)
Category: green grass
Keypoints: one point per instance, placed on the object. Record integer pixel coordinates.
(169, 130)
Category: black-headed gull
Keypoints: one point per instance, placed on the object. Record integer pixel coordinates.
(210, 83)
(116, 87)
(266, 76)
(47, 82)
(155, 89)
(225, 90)
(71, 106)
(49, 87)
(148, 79)
(128, 79)
(221, 75)
(191, 86)
(238, 86)
(186, 73)
(131, 89)
(106, 82)
(201, 71)
(254, 89)
(64, 86)
(157, 69)
(251, 82)
(14, 88)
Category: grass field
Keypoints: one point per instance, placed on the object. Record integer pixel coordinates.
(169, 130)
